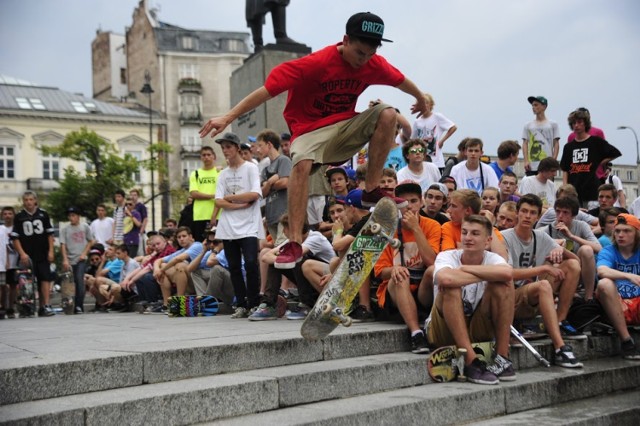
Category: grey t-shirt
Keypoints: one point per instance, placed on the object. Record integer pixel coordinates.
(528, 254)
(550, 216)
(578, 228)
(276, 201)
(75, 238)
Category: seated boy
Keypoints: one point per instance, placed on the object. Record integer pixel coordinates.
(474, 301)
(402, 269)
(619, 286)
(536, 256)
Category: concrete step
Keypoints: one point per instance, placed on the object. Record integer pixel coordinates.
(130, 362)
(454, 403)
(211, 397)
(197, 347)
(619, 409)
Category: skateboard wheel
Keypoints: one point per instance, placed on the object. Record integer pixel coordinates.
(346, 321)
(375, 228)
(395, 243)
(327, 308)
(462, 351)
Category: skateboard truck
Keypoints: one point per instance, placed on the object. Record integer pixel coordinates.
(376, 229)
(345, 320)
(458, 364)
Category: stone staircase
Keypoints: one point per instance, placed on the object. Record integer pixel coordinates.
(361, 375)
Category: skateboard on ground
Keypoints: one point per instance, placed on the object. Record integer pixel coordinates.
(531, 328)
(27, 292)
(447, 362)
(67, 293)
(332, 306)
(192, 306)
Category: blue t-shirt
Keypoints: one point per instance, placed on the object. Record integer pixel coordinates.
(395, 160)
(498, 170)
(192, 252)
(115, 268)
(611, 257)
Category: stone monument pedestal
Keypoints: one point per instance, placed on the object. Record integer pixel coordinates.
(252, 75)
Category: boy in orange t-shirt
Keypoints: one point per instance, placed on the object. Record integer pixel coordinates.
(402, 269)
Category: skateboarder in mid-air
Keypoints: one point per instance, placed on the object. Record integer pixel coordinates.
(323, 90)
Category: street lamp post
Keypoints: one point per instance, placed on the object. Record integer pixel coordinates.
(146, 89)
(637, 145)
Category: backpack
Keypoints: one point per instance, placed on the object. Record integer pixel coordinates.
(582, 313)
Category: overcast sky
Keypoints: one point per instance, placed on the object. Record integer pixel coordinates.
(479, 59)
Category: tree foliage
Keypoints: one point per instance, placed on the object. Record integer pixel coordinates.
(106, 172)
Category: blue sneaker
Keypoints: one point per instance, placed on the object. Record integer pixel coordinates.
(299, 314)
(568, 332)
(263, 313)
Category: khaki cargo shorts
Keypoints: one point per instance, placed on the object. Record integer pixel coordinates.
(337, 143)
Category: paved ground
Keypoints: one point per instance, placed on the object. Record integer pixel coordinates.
(62, 338)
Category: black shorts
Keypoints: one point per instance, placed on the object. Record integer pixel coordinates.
(42, 270)
(11, 277)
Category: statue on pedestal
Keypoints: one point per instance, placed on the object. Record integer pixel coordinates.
(255, 13)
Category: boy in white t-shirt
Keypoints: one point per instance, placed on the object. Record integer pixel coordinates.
(240, 227)
(472, 173)
(474, 301)
(434, 129)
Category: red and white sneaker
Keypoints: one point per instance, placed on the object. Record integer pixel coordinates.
(369, 199)
(290, 254)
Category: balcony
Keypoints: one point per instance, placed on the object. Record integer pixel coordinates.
(189, 85)
(190, 114)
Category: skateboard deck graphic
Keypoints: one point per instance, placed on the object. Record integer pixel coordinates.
(27, 292)
(332, 305)
(192, 306)
(67, 293)
(447, 362)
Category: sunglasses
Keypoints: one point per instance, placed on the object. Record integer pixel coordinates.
(213, 241)
(416, 150)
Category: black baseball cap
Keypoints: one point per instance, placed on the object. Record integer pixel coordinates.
(229, 137)
(366, 25)
(73, 210)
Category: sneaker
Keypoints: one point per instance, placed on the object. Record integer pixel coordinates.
(369, 199)
(263, 313)
(629, 350)
(568, 332)
(566, 358)
(503, 368)
(477, 372)
(157, 309)
(419, 344)
(78, 310)
(300, 313)
(362, 314)
(240, 313)
(46, 311)
(11, 314)
(290, 254)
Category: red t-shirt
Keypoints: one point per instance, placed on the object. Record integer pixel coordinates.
(324, 88)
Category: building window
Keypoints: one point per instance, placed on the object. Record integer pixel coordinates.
(51, 167)
(79, 107)
(31, 103)
(138, 156)
(630, 175)
(189, 166)
(190, 106)
(7, 162)
(188, 71)
(190, 139)
(189, 43)
(123, 76)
